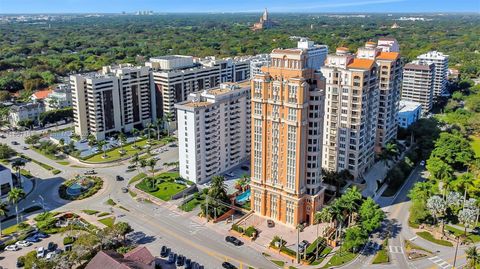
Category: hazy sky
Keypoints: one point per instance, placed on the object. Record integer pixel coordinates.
(114, 6)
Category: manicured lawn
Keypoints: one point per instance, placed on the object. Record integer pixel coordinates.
(10, 230)
(428, 236)
(111, 202)
(63, 162)
(114, 154)
(103, 214)
(90, 212)
(190, 205)
(137, 178)
(473, 237)
(340, 258)
(381, 257)
(107, 221)
(166, 188)
(476, 144)
(411, 246)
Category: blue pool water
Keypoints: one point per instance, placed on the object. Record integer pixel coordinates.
(243, 197)
(74, 189)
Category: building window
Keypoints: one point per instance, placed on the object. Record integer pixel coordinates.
(292, 114)
(292, 93)
(289, 212)
(291, 149)
(273, 206)
(258, 202)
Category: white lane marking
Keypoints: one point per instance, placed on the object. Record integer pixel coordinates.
(441, 263)
(395, 249)
(413, 238)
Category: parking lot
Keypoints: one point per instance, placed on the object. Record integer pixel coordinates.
(8, 259)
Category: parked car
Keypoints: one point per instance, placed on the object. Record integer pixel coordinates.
(188, 264)
(164, 251)
(124, 189)
(422, 163)
(172, 257)
(120, 178)
(270, 223)
(131, 167)
(228, 265)
(180, 260)
(32, 239)
(24, 147)
(51, 246)
(3, 136)
(303, 245)
(41, 235)
(23, 243)
(15, 143)
(50, 255)
(233, 240)
(13, 247)
(83, 141)
(40, 252)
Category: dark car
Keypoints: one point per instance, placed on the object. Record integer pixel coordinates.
(20, 263)
(172, 257)
(32, 239)
(15, 143)
(120, 178)
(124, 189)
(270, 223)
(41, 235)
(164, 251)
(228, 265)
(180, 260)
(51, 246)
(233, 240)
(188, 264)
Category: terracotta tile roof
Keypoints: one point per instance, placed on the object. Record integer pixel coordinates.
(361, 64)
(140, 254)
(42, 94)
(343, 48)
(113, 260)
(388, 55)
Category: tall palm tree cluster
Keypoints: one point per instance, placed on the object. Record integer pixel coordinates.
(473, 257)
(217, 199)
(389, 153)
(350, 210)
(337, 179)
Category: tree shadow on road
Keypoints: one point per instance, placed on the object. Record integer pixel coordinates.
(140, 238)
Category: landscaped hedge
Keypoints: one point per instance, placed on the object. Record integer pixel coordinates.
(249, 231)
(97, 185)
(68, 240)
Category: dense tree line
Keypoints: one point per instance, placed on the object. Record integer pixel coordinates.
(33, 54)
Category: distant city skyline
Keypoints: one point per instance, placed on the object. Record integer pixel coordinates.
(374, 6)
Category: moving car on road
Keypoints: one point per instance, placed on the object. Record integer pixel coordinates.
(233, 240)
(228, 265)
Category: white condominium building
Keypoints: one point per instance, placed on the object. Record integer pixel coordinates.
(117, 99)
(351, 112)
(25, 112)
(176, 76)
(441, 71)
(214, 131)
(390, 80)
(418, 83)
(60, 97)
(257, 62)
(316, 54)
(388, 44)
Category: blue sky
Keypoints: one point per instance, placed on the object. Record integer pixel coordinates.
(114, 6)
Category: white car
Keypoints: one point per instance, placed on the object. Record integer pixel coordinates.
(50, 255)
(23, 243)
(12, 248)
(40, 252)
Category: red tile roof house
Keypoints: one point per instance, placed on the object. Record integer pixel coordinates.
(138, 258)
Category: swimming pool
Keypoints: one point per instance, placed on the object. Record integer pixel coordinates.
(243, 197)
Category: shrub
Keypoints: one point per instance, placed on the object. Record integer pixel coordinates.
(68, 240)
(251, 232)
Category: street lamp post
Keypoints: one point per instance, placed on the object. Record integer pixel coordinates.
(299, 229)
(43, 203)
(456, 251)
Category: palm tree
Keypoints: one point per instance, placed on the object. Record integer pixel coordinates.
(17, 166)
(323, 216)
(437, 206)
(148, 129)
(101, 146)
(91, 140)
(122, 139)
(350, 201)
(159, 125)
(14, 196)
(135, 133)
(151, 163)
(143, 163)
(135, 159)
(218, 189)
(3, 213)
(473, 256)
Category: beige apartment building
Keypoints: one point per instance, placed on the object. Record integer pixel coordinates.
(351, 112)
(390, 80)
(287, 116)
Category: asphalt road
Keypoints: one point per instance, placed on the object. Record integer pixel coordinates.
(154, 225)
